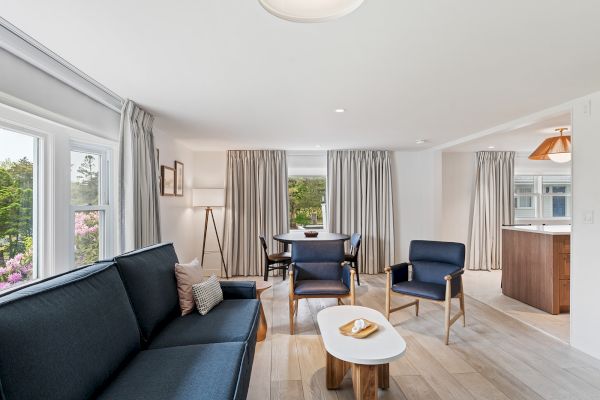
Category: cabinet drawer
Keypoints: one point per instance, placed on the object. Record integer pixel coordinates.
(564, 266)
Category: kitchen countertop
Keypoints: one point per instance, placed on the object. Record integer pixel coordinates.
(543, 229)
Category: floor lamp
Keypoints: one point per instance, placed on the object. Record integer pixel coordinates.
(209, 198)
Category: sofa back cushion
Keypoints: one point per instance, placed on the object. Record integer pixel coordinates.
(65, 337)
(149, 277)
(318, 259)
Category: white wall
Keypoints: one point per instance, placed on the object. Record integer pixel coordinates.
(417, 179)
(209, 172)
(458, 178)
(176, 213)
(585, 239)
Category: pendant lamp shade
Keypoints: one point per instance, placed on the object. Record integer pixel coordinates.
(557, 149)
(310, 10)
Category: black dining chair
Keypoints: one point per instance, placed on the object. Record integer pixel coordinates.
(274, 261)
(352, 257)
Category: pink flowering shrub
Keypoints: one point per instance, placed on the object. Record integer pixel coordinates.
(17, 269)
(86, 237)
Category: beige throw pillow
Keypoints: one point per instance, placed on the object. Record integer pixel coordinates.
(207, 294)
(187, 275)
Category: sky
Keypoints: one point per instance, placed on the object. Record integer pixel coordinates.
(15, 145)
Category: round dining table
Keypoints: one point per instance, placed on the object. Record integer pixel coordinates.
(298, 236)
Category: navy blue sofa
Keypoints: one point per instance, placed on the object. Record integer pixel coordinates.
(113, 330)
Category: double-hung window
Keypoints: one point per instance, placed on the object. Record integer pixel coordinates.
(19, 207)
(91, 210)
(542, 197)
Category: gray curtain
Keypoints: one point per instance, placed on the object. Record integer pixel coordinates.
(256, 202)
(139, 219)
(492, 208)
(360, 199)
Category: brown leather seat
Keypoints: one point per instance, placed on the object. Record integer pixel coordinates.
(280, 257)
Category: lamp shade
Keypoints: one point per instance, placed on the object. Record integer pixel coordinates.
(208, 198)
(310, 10)
(555, 148)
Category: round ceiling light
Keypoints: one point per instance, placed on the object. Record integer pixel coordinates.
(310, 10)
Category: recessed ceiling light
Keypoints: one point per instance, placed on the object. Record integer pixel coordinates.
(420, 141)
(310, 11)
(491, 147)
(340, 110)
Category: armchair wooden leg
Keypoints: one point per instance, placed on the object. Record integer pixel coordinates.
(291, 302)
(462, 302)
(292, 311)
(388, 289)
(447, 311)
(417, 308)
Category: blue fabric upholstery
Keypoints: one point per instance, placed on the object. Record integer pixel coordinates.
(319, 259)
(321, 287)
(65, 337)
(149, 277)
(432, 271)
(346, 275)
(432, 291)
(230, 321)
(441, 252)
(209, 371)
(238, 289)
(399, 273)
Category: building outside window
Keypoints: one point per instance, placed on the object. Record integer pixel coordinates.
(18, 208)
(542, 197)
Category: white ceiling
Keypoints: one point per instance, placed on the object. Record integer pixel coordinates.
(523, 139)
(226, 74)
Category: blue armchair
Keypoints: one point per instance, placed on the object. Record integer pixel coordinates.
(318, 271)
(434, 273)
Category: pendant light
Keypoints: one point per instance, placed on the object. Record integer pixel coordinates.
(556, 148)
(310, 10)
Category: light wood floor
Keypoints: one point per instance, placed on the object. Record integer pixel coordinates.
(494, 357)
(485, 287)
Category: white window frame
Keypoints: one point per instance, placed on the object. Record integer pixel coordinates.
(38, 189)
(105, 204)
(538, 196)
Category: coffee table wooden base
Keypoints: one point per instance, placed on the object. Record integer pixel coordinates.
(365, 378)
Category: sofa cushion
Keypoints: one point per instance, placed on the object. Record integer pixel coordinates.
(149, 278)
(186, 276)
(321, 287)
(230, 321)
(65, 337)
(207, 294)
(209, 371)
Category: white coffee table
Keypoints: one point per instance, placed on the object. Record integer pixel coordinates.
(369, 358)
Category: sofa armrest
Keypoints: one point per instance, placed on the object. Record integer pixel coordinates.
(238, 289)
(399, 272)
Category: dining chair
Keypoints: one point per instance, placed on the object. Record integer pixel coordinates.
(434, 273)
(318, 270)
(352, 257)
(274, 261)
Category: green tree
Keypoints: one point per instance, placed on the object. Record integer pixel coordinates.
(84, 191)
(16, 207)
(306, 193)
